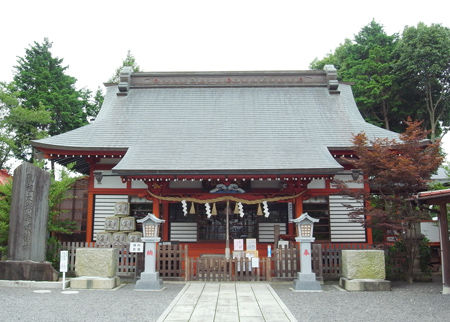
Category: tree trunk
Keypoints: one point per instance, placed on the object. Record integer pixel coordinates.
(385, 115)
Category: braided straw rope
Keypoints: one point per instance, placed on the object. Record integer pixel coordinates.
(225, 198)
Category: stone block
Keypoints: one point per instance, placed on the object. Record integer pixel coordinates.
(28, 214)
(104, 239)
(101, 262)
(92, 282)
(127, 224)
(135, 237)
(112, 223)
(363, 264)
(122, 209)
(27, 271)
(364, 284)
(119, 239)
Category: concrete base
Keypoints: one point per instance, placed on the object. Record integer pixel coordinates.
(34, 284)
(27, 271)
(93, 282)
(306, 282)
(445, 289)
(364, 284)
(149, 282)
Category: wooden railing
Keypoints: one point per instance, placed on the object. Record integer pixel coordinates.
(222, 269)
(171, 261)
(126, 267)
(285, 263)
(174, 263)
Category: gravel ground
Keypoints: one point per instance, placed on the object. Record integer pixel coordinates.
(416, 302)
(123, 304)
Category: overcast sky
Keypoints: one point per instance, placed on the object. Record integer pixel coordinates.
(94, 36)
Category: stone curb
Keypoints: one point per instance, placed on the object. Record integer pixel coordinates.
(33, 284)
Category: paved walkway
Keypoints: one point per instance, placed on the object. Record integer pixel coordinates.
(227, 302)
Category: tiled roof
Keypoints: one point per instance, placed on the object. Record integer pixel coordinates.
(284, 128)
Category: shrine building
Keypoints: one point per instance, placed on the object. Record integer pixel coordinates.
(197, 148)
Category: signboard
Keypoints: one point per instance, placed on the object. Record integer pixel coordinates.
(430, 230)
(136, 247)
(63, 261)
(255, 262)
(283, 244)
(238, 244)
(290, 212)
(251, 243)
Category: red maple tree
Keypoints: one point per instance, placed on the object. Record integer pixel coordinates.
(395, 171)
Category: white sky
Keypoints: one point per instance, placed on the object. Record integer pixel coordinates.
(93, 36)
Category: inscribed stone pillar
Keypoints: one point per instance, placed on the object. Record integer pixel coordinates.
(29, 214)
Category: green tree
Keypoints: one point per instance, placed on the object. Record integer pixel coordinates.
(367, 62)
(5, 206)
(128, 61)
(19, 125)
(41, 83)
(424, 64)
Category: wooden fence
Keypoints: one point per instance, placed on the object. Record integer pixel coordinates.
(169, 261)
(174, 263)
(126, 267)
(285, 263)
(215, 268)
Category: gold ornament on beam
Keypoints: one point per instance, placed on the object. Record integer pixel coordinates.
(192, 210)
(214, 210)
(236, 209)
(259, 212)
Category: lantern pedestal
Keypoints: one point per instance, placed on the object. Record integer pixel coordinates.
(150, 280)
(306, 279)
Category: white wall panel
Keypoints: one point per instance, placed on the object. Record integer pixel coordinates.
(183, 231)
(104, 207)
(342, 227)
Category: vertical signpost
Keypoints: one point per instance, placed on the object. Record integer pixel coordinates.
(63, 265)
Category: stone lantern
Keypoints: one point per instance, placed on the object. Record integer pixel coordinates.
(150, 277)
(306, 279)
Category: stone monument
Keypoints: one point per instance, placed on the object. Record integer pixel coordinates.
(96, 268)
(28, 227)
(363, 270)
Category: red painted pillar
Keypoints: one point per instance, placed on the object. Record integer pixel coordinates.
(155, 207)
(298, 213)
(368, 219)
(165, 210)
(90, 217)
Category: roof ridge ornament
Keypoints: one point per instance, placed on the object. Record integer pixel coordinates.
(333, 83)
(124, 80)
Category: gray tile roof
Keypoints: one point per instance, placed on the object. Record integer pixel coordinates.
(223, 129)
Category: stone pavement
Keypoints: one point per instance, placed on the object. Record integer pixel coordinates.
(227, 302)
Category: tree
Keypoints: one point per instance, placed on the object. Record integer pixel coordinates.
(5, 206)
(397, 170)
(424, 62)
(367, 62)
(41, 84)
(128, 61)
(19, 125)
